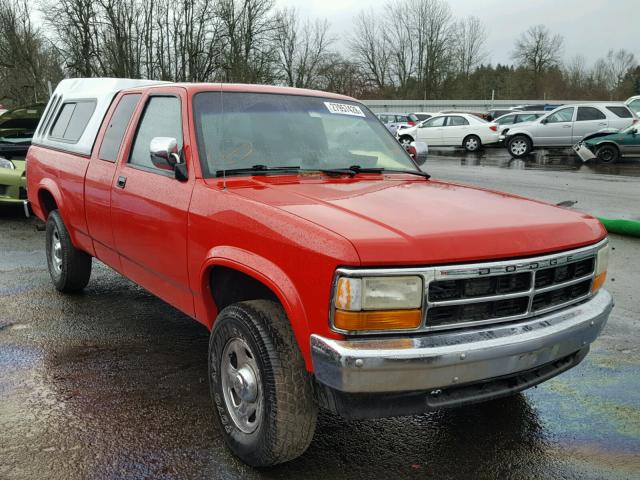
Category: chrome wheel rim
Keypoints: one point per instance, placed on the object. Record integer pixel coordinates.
(405, 141)
(56, 250)
(518, 147)
(472, 144)
(241, 385)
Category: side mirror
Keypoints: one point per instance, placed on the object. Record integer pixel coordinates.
(164, 153)
(544, 121)
(166, 156)
(634, 131)
(418, 151)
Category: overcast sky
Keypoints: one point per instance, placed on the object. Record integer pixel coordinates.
(589, 27)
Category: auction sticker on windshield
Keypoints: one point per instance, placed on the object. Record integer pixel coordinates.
(344, 109)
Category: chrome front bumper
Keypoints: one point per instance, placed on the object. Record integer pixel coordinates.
(454, 358)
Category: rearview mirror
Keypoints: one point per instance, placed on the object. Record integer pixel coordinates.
(164, 153)
(418, 151)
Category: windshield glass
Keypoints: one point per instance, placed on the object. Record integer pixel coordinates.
(238, 130)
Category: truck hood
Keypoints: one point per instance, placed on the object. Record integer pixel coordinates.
(401, 221)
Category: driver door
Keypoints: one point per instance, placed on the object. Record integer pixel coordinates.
(557, 130)
(431, 131)
(149, 206)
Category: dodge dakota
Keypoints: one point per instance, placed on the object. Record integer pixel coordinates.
(331, 271)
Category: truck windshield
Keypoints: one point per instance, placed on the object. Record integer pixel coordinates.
(238, 131)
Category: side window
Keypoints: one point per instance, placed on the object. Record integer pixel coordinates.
(457, 121)
(117, 126)
(72, 120)
(635, 106)
(589, 113)
(161, 118)
(508, 120)
(526, 117)
(622, 112)
(384, 118)
(434, 122)
(564, 115)
(402, 118)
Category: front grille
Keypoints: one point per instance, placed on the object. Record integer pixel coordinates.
(476, 294)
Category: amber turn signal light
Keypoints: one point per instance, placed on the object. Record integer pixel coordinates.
(377, 320)
(598, 281)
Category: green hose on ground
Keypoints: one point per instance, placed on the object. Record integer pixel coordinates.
(621, 227)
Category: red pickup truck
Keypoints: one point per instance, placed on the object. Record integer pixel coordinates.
(331, 271)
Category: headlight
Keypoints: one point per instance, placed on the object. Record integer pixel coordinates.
(4, 163)
(378, 303)
(602, 263)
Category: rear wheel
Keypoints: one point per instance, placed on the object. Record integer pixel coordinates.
(70, 268)
(519, 146)
(607, 154)
(472, 143)
(261, 390)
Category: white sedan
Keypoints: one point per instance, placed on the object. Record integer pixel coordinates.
(451, 130)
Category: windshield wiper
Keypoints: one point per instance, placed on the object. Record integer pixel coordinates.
(257, 168)
(355, 169)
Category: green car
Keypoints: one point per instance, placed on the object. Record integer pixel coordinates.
(16, 130)
(609, 146)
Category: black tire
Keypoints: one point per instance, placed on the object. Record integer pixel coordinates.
(607, 154)
(70, 268)
(519, 146)
(285, 421)
(405, 140)
(472, 143)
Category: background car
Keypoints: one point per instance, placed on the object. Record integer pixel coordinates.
(506, 121)
(393, 120)
(609, 147)
(634, 104)
(16, 130)
(567, 125)
(459, 130)
(422, 116)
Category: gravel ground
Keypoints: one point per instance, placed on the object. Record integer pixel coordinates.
(111, 383)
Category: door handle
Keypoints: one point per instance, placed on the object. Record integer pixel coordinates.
(566, 126)
(121, 182)
(602, 124)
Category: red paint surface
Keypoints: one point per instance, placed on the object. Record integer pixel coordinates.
(289, 232)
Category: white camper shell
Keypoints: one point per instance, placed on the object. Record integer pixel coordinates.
(75, 112)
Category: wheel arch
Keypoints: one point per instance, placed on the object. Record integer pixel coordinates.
(49, 198)
(262, 277)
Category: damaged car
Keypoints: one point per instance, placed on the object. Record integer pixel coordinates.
(608, 146)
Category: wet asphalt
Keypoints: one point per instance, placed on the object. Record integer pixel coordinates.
(112, 383)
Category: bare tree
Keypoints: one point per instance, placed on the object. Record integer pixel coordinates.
(26, 61)
(371, 48)
(432, 30)
(618, 65)
(301, 48)
(538, 50)
(468, 51)
(399, 28)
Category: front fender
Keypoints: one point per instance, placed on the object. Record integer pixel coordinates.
(266, 272)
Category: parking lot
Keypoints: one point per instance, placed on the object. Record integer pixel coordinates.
(112, 383)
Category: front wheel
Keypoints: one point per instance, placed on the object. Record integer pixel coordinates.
(405, 140)
(607, 154)
(259, 385)
(519, 146)
(70, 268)
(472, 143)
